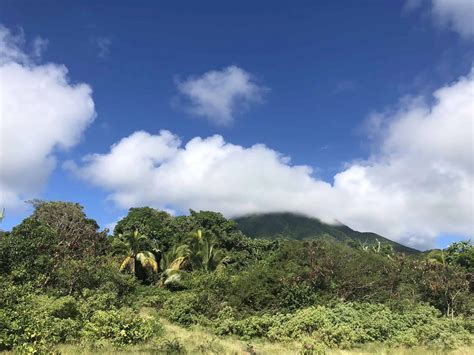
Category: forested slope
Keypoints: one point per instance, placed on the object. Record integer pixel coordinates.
(299, 227)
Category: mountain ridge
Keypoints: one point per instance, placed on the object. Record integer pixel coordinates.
(300, 227)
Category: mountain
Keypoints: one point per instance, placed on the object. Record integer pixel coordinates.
(299, 227)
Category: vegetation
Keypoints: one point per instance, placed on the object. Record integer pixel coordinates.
(159, 281)
(293, 226)
(140, 257)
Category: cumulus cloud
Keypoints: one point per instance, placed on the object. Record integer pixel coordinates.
(417, 184)
(157, 170)
(420, 182)
(40, 112)
(220, 95)
(455, 14)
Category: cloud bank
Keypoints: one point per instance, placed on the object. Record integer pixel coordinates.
(416, 185)
(220, 95)
(40, 112)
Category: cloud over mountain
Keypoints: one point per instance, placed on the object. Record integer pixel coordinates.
(417, 184)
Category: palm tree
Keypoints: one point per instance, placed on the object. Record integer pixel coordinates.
(173, 262)
(140, 255)
(200, 252)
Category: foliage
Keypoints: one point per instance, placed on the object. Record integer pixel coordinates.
(39, 320)
(43, 245)
(157, 225)
(444, 286)
(141, 259)
(462, 254)
(182, 308)
(62, 283)
(201, 253)
(122, 327)
(350, 324)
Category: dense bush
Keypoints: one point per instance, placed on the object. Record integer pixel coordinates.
(182, 308)
(39, 320)
(122, 327)
(351, 324)
(42, 321)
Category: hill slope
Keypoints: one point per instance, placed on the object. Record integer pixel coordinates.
(299, 227)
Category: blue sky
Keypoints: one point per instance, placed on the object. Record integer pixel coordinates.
(316, 76)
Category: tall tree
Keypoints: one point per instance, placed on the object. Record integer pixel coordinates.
(202, 252)
(56, 234)
(155, 224)
(140, 256)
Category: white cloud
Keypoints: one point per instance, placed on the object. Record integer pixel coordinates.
(456, 14)
(156, 170)
(40, 112)
(420, 182)
(10, 44)
(220, 95)
(417, 184)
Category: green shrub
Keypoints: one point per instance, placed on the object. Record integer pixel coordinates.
(351, 324)
(121, 327)
(251, 327)
(181, 308)
(39, 321)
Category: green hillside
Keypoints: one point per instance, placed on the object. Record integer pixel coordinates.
(299, 227)
(195, 284)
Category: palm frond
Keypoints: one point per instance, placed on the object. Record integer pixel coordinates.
(178, 263)
(119, 247)
(128, 264)
(147, 260)
(172, 280)
(183, 251)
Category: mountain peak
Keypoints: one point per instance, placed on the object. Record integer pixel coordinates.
(300, 227)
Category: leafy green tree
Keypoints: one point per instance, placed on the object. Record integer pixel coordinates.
(47, 241)
(157, 225)
(140, 256)
(445, 286)
(227, 236)
(462, 254)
